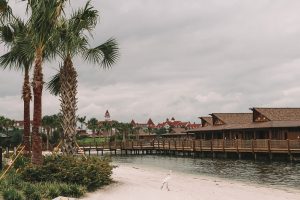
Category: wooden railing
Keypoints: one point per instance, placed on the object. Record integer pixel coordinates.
(216, 145)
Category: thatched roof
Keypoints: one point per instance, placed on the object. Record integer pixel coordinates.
(208, 120)
(279, 114)
(234, 118)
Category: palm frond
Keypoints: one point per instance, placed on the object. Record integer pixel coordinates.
(6, 34)
(54, 84)
(84, 18)
(5, 11)
(105, 54)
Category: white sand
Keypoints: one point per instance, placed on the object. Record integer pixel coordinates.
(140, 183)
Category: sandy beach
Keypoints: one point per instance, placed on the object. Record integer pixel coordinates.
(134, 182)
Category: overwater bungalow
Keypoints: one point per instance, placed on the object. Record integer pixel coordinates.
(261, 123)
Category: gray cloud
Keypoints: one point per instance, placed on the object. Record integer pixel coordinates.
(184, 59)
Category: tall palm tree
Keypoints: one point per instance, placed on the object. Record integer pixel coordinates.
(42, 24)
(14, 59)
(74, 42)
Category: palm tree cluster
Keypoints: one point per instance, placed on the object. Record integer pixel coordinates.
(113, 129)
(47, 34)
(51, 123)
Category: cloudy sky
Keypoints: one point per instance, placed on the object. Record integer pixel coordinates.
(183, 59)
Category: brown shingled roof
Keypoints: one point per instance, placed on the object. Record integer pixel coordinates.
(280, 114)
(207, 119)
(234, 118)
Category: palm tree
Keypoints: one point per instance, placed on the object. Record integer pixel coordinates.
(92, 124)
(73, 42)
(15, 60)
(47, 123)
(81, 120)
(42, 26)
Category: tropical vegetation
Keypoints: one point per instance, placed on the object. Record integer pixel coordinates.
(58, 176)
(48, 33)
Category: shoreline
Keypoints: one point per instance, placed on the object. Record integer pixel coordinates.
(135, 182)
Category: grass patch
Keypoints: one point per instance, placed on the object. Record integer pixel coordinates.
(88, 140)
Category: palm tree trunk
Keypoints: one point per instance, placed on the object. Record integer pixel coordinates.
(37, 84)
(68, 91)
(26, 99)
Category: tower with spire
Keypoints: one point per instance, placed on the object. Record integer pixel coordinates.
(107, 116)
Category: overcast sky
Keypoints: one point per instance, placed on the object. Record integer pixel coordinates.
(182, 58)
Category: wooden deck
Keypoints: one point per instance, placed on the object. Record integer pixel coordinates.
(288, 147)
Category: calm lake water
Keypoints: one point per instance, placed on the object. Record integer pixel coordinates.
(271, 174)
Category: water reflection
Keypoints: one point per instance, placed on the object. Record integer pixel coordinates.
(275, 174)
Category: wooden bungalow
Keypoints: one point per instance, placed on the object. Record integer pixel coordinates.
(262, 123)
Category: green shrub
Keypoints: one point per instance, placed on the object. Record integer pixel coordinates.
(92, 172)
(21, 162)
(31, 192)
(12, 194)
(52, 191)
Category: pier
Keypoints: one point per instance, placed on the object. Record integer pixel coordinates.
(260, 148)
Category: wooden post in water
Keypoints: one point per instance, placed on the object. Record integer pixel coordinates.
(269, 149)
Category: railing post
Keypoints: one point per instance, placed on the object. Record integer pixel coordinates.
(269, 145)
(182, 145)
(175, 144)
(200, 145)
(237, 145)
(97, 148)
(194, 144)
(90, 149)
(131, 144)
(169, 144)
(223, 145)
(288, 145)
(211, 145)
(252, 145)
(163, 144)
(158, 144)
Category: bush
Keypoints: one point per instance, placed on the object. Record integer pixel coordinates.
(32, 192)
(92, 173)
(12, 194)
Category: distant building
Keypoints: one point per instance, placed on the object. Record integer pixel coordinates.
(106, 125)
(19, 124)
(261, 123)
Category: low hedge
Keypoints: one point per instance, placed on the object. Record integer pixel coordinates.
(92, 172)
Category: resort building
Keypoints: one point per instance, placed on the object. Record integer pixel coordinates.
(261, 123)
(143, 128)
(106, 125)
